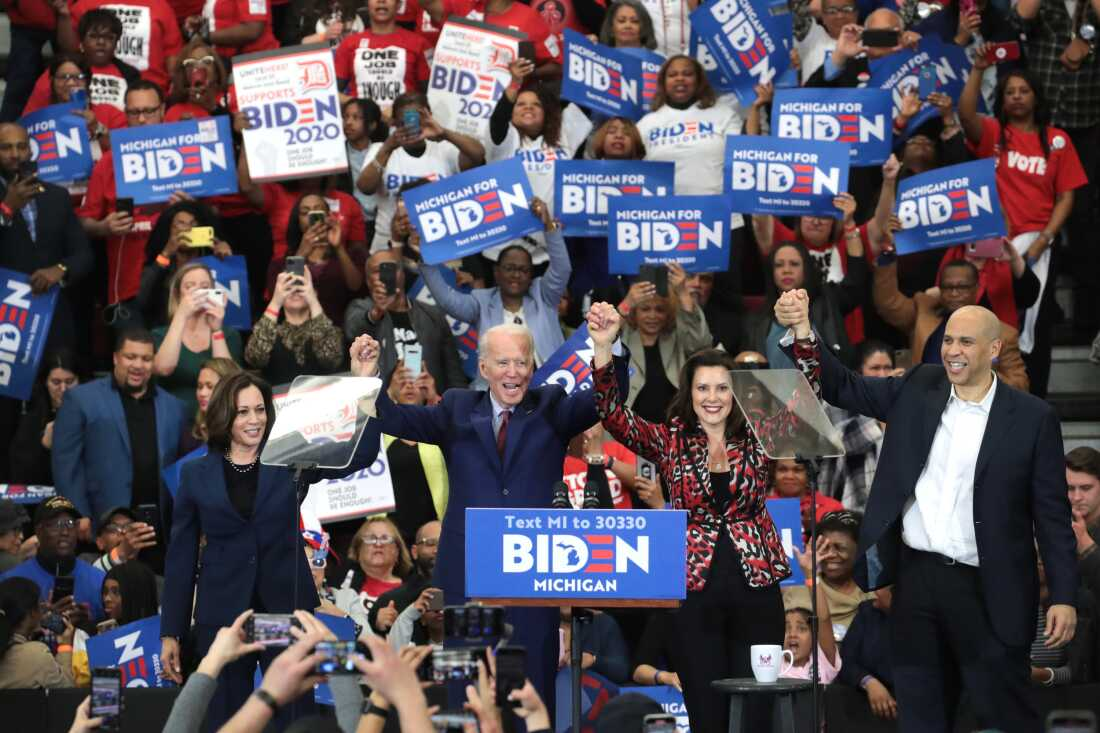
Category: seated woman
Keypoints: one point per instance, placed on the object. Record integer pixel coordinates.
(33, 443)
(840, 533)
(381, 559)
(25, 663)
(304, 342)
(194, 334)
(212, 372)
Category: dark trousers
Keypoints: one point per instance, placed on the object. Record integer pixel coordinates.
(714, 630)
(25, 64)
(943, 643)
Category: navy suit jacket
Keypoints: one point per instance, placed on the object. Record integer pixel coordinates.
(1019, 488)
(92, 461)
(243, 558)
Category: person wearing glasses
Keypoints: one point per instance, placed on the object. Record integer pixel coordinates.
(67, 73)
(381, 560)
(815, 37)
(416, 589)
(198, 84)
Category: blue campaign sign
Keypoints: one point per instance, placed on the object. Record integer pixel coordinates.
(900, 70)
(462, 215)
(787, 517)
(600, 78)
(863, 118)
(569, 364)
(231, 275)
(690, 230)
(671, 701)
(582, 188)
(649, 71)
(134, 649)
(193, 156)
(172, 473)
(465, 335)
(594, 555)
(59, 143)
(771, 175)
(24, 327)
(748, 44)
(945, 206)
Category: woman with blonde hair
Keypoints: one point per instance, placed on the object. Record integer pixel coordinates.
(381, 561)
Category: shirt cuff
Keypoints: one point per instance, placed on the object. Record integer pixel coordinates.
(788, 338)
(865, 681)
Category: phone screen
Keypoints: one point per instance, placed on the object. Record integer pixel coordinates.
(879, 38)
(106, 696)
(511, 662)
(413, 358)
(927, 82)
(124, 205)
(270, 629)
(339, 657)
(387, 275)
(148, 513)
(645, 469)
(63, 587)
(295, 265)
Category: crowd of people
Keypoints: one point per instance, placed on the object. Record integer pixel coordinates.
(141, 370)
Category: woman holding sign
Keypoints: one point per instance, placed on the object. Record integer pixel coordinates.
(716, 469)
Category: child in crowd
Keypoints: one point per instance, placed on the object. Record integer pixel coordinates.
(797, 639)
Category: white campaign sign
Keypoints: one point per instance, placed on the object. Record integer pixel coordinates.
(369, 491)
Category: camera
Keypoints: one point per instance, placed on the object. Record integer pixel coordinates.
(339, 657)
(270, 629)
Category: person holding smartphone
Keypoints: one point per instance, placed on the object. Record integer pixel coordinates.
(25, 663)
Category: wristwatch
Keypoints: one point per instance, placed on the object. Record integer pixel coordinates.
(266, 698)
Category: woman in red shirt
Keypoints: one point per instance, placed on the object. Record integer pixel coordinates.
(1037, 170)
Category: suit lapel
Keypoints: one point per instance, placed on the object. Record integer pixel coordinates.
(1000, 419)
(481, 417)
(521, 417)
(118, 415)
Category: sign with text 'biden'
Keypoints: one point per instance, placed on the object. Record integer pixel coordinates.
(134, 649)
(461, 215)
(231, 275)
(59, 143)
(947, 206)
(582, 188)
(860, 117)
(24, 328)
(612, 81)
(746, 42)
(193, 156)
(611, 555)
(770, 175)
(649, 230)
(900, 70)
(568, 366)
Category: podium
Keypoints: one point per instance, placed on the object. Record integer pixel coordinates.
(591, 558)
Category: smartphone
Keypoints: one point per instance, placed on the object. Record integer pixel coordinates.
(1071, 721)
(270, 629)
(526, 51)
(63, 587)
(435, 603)
(214, 296)
(200, 237)
(656, 274)
(79, 97)
(903, 359)
(998, 53)
(125, 205)
(28, 169)
(872, 38)
(339, 657)
(106, 697)
(316, 217)
(511, 672)
(414, 361)
(451, 721)
(53, 622)
(387, 274)
(927, 81)
(645, 469)
(295, 265)
(410, 122)
(659, 723)
(990, 248)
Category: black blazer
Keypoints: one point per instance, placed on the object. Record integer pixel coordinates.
(1019, 488)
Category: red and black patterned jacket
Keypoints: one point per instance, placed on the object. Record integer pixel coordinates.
(680, 452)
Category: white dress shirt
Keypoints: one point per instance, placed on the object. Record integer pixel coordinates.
(940, 515)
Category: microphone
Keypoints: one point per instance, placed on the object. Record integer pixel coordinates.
(561, 496)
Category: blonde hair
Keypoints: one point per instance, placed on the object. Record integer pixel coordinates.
(223, 367)
(404, 560)
(177, 282)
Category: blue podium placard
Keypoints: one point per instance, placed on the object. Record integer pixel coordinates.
(690, 230)
(749, 45)
(770, 175)
(787, 517)
(594, 555)
(59, 143)
(860, 117)
(583, 187)
(24, 329)
(945, 206)
(134, 649)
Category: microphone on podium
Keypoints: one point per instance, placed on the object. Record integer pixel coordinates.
(561, 496)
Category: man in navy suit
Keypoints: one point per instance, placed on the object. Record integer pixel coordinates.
(969, 480)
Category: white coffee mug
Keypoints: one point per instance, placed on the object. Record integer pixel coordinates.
(765, 660)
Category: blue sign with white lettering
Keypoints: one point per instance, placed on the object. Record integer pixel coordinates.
(597, 77)
(24, 327)
(569, 364)
(770, 175)
(231, 276)
(649, 71)
(59, 143)
(748, 44)
(787, 517)
(671, 701)
(464, 214)
(582, 188)
(193, 156)
(172, 474)
(900, 70)
(594, 555)
(860, 117)
(134, 649)
(947, 206)
(690, 230)
(465, 335)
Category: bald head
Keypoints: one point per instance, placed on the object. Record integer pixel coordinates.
(14, 148)
(971, 342)
(983, 319)
(884, 19)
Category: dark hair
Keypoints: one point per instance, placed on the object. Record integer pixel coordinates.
(415, 183)
(99, 18)
(137, 587)
(512, 248)
(811, 279)
(681, 408)
(409, 99)
(1084, 460)
(136, 334)
(162, 229)
(221, 411)
(177, 87)
(803, 612)
(377, 129)
(61, 358)
(293, 228)
(870, 347)
(705, 96)
(844, 521)
(551, 113)
(964, 265)
(629, 128)
(144, 85)
(18, 599)
(646, 35)
(69, 58)
(1041, 111)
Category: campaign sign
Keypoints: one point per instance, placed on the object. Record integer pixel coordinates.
(59, 143)
(771, 175)
(945, 206)
(465, 335)
(290, 100)
(173, 473)
(231, 275)
(671, 701)
(569, 364)
(901, 70)
(464, 214)
(787, 517)
(24, 327)
(746, 42)
(193, 156)
(582, 188)
(690, 230)
(469, 73)
(600, 78)
(649, 71)
(134, 649)
(368, 491)
(863, 118)
(594, 555)
(26, 493)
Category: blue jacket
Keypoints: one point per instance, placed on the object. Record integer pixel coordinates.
(243, 558)
(92, 462)
(87, 582)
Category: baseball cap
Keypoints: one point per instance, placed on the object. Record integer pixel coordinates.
(55, 506)
(12, 515)
(105, 517)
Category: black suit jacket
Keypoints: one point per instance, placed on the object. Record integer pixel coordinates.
(1019, 488)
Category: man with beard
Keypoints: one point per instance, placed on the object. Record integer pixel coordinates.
(390, 604)
(113, 436)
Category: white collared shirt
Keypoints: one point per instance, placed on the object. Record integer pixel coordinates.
(939, 517)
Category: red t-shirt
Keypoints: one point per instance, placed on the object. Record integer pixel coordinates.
(518, 17)
(107, 87)
(184, 9)
(1027, 180)
(425, 28)
(224, 14)
(382, 67)
(31, 14)
(279, 201)
(149, 34)
(575, 475)
(375, 588)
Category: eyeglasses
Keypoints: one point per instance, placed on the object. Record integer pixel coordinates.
(515, 269)
(139, 113)
(204, 60)
(957, 287)
(111, 37)
(68, 77)
(115, 528)
(428, 541)
(375, 540)
(57, 525)
(842, 10)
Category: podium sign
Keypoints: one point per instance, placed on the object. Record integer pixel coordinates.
(608, 557)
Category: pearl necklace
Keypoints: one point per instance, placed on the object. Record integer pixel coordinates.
(247, 467)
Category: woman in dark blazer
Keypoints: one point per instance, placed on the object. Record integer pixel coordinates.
(253, 558)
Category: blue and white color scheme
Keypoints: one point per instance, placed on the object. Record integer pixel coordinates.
(26, 493)
(171, 474)
(749, 45)
(690, 230)
(770, 175)
(134, 649)
(787, 517)
(231, 275)
(24, 326)
(947, 206)
(597, 77)
(465, 334)
(860, 117)
(582, 188)
(59, 143)
(569, 366)
(597, 555)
